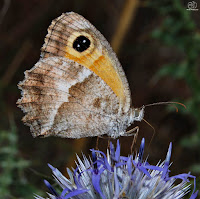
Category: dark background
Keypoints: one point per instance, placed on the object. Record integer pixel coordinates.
(158, 45)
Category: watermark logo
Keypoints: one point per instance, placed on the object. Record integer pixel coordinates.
(192, 5)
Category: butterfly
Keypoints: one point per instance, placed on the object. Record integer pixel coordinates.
(78, 87)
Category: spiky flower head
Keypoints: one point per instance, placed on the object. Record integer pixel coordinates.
(115, 176)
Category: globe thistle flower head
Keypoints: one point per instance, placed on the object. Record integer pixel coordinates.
(115, 176)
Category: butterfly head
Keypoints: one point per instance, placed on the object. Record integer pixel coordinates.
(137, 114)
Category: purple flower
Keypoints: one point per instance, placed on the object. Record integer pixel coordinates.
(115, 176)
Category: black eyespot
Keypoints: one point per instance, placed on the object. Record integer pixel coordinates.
(81, 43)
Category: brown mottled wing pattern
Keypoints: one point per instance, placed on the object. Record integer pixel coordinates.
(75, 94)
(58, 42)
(62, 98)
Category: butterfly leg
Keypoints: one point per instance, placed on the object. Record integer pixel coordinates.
(102, 137)
(133, 132)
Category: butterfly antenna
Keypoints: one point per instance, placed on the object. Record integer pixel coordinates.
(170, 103)
(154, 131)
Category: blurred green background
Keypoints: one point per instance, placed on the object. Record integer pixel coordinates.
(158, 45)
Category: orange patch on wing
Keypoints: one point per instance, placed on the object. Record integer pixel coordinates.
(102, 67)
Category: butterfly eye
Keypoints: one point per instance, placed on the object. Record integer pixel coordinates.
(81, 43)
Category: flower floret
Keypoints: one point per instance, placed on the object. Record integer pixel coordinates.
(115, 176)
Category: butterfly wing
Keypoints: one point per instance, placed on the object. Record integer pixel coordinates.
(78, 87)
(63, 98)
(98, 57)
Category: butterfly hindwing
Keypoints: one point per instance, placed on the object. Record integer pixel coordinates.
(61, 97)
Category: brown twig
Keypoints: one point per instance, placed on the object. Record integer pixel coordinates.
(4, 10)
(23, 27)
(12, 68)
(127, 16)
(78, 145)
